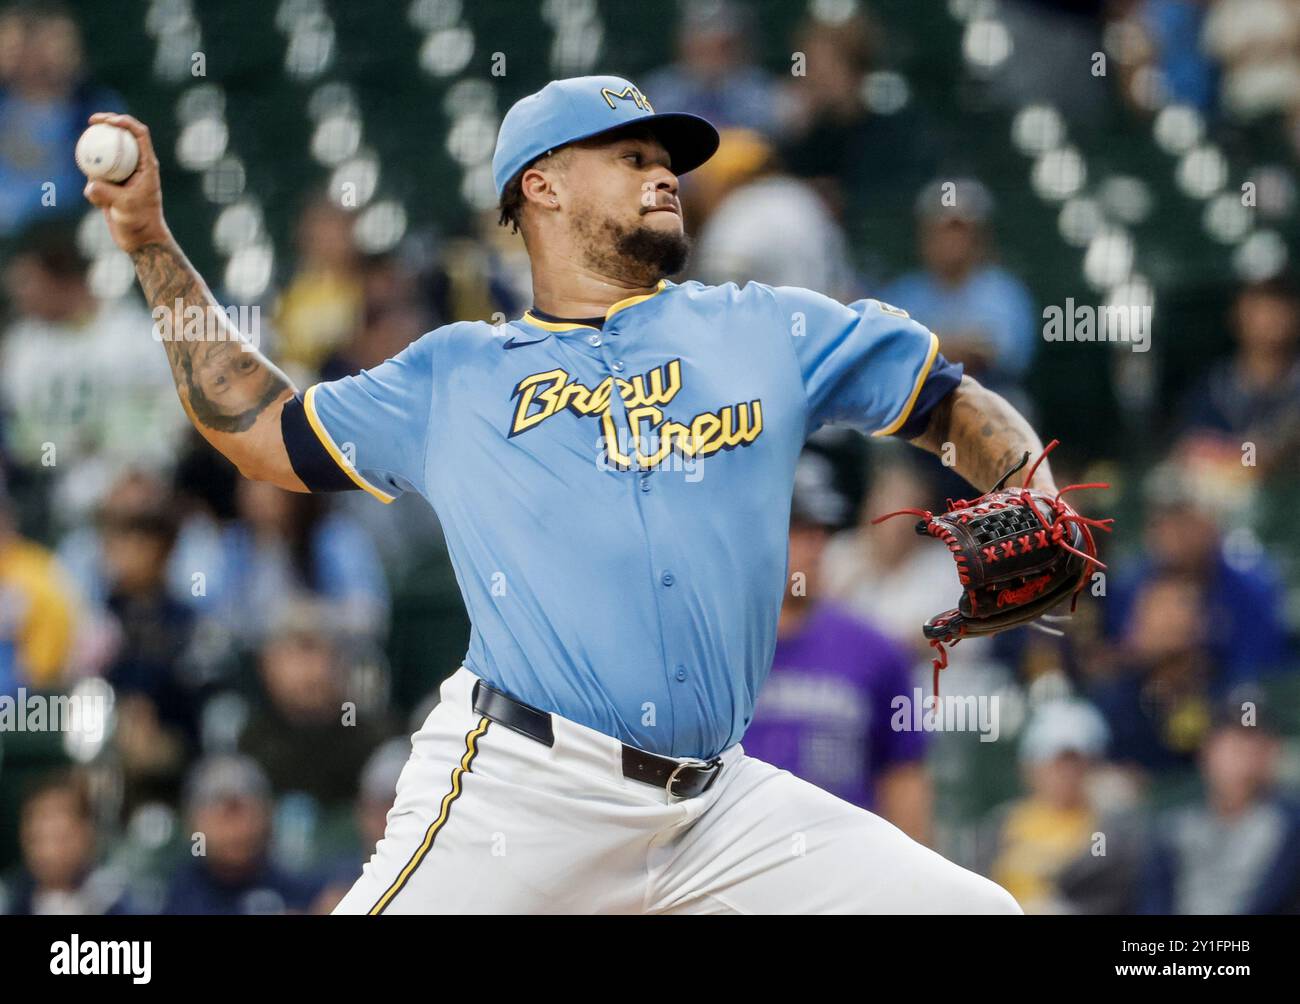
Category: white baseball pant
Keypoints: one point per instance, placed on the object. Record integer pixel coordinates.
(491, 821)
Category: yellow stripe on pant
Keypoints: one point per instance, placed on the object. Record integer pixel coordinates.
(471, 749)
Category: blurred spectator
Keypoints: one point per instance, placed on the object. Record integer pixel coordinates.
(58, 838)
(83, 551)
(859, 158)
(824, 712)
(393, 279)
(1189, 621)
(44, 104)
(322, 304)
(1236, 849)
(314, 732)
(1255, 395)
(281, 544)
(1257, 42)
(1161, 48)
(378, 791)
(1044, 847)
(887, 574)
(983, 314)
(122, 564)
(1051, 51)
(763, 225)
(1239, 593)
(387, 328)
(403, 296)
(38, 610)
(228, 804)
(715, 74)
(85, 381)
(1158, 703)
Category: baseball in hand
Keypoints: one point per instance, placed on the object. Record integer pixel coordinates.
(107, 152)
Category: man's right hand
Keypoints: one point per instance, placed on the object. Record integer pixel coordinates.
(133, 208)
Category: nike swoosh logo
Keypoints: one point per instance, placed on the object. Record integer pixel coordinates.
(510, 343)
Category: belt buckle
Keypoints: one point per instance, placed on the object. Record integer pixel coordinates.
(713, 765)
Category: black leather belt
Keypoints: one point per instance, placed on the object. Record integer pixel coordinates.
(680, 780)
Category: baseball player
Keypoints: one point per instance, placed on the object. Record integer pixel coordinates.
(613, 473)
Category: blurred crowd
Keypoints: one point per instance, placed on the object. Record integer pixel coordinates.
(268, 653)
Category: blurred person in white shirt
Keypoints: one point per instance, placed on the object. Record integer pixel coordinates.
(764, 225)
(85, 387)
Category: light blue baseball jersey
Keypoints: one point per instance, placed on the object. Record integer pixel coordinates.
(616, 500)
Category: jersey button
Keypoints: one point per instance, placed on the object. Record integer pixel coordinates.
(680, 674)
(667, 579)
(594, 340)
(617, 366)
(645, 482)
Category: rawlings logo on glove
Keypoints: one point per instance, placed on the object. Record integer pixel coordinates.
(1019, 552)
(1010, 597)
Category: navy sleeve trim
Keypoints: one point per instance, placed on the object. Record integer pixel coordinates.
(307, 454)
(942, 380)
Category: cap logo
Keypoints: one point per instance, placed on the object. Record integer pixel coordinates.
(628, 93)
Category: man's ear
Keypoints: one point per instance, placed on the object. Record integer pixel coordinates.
(538, 189)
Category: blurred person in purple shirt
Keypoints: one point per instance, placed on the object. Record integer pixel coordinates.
(824, 712)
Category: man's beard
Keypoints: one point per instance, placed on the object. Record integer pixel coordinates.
(637, 252)
(658, 252)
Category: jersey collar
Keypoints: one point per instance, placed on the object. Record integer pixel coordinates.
(538, 329)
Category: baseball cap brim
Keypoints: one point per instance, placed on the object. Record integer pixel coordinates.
(689, 139)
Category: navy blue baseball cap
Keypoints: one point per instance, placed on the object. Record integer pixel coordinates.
(565, 111)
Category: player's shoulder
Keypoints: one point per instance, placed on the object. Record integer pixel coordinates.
(760, 293)
(726, 294)
(458, 337)
(781, 306)
(463, 331)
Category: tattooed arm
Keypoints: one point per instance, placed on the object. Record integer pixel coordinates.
(230, 391)
(988, 436)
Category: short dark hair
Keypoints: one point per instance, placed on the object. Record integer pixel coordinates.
(512, 201)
